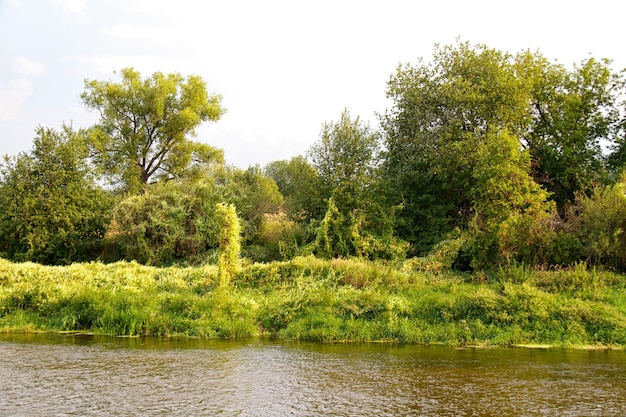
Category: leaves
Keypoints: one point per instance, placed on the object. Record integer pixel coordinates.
(229, 239)
(171, 222)
(575, 113)
(52, 210)
(145, 125)
(345, 157)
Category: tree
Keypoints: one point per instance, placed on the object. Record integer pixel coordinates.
(575, 113)
(345, 158)
(145, 124)
(52, 210)
(299, 183)
(442, 114)
(512, 216)
(356, 223)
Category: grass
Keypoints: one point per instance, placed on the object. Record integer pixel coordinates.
(325, 301)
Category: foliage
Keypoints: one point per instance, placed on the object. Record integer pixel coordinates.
(512, 213)
(346, 235)
(574, 114)
(52, 210)
(253, 194)
(172, 222)
(469, 98)
(332, 234)
(600, 223)
(279, 238)
(487, 159)
(441, 115)
(144, 127)
(229, 243)
(442, 256)
(299, 183)
(356, 222)
(345, 156)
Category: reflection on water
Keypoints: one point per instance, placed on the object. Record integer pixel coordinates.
(43, 375)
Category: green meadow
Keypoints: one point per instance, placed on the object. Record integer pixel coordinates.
(319, 300)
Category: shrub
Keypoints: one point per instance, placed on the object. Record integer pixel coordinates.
(170, 223)
(229, 243)
(601, 224)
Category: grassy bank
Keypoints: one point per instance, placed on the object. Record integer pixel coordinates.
(312, 299)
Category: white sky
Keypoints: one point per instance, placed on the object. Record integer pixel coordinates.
(283, 67)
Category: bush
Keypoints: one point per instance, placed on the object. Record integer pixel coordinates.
(170, 223)
(229, 243)
(601, 224)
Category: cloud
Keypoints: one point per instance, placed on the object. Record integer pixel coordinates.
(26, 66)
(73, 6)
(12, 96)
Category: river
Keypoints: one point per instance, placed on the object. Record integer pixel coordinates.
(80, 375)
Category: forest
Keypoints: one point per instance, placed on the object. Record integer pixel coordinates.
(502, 171)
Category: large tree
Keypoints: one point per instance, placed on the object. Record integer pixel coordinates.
(52, 210)
(575, 114)
(145, 126)
(442, 114)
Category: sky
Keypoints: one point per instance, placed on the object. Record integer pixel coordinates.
(283, 68)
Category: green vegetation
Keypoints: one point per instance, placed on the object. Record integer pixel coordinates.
(144, 127)
(230, 246)
(320, 300)
(51, 210)
(489, 208)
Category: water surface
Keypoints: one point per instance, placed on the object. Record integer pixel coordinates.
(52, 375)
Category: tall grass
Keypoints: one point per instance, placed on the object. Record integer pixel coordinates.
(313, 299)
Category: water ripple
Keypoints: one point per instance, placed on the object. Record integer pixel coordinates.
(81, 376)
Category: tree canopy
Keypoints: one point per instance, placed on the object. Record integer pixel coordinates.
(145, 125)
(574, 115)
(446, 111)
(484, 158)
(52, 210)
(344, 156)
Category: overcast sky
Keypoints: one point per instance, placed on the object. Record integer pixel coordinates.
(282, 67)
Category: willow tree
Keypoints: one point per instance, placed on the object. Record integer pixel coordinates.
(145, 126)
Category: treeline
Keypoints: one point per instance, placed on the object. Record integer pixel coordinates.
(485, 158)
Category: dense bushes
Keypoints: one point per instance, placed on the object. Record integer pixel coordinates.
(600, 222)
(171, 222)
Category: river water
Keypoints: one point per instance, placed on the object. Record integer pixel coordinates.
(73, 375)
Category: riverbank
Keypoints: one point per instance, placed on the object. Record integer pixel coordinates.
(318, 300)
